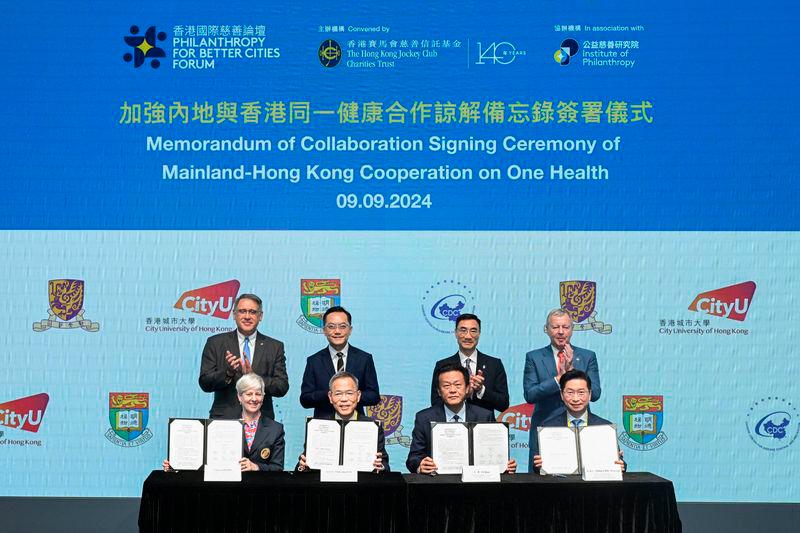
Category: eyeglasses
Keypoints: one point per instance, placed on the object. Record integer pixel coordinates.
(339, 394)
(251, 312)
(334, 327)
(464, 331)
(569, 393)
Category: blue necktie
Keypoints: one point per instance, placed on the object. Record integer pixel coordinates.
(247, 350)
(455, 418)
(576, 423)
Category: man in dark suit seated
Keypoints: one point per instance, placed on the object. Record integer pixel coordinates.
(229, 356)
(488, 385)
(343, 395)
(338, 356)
(576, 392)
(452, 380)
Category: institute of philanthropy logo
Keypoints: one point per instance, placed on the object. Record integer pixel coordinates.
(772, 423)
(443, 302)
(128, 414)
(643, 417)
(329, 53)
(389, 412)
(732, 302)
(144, 47)
(578, 299)
(568, 49)
(66, 303)
(316, 297)
(213, 300)
(25, 414)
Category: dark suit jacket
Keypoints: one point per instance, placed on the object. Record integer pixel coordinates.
(269, 362)
(381, 440)
(269, 441)
(421, 435)
(559, 419)
(495, 397)
(319, 371)
(541, 388)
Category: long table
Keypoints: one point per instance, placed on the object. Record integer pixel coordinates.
(394, 503)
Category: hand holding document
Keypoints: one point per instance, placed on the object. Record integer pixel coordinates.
(186, 444)
(559, 450)
(449, 447)
(323, 442)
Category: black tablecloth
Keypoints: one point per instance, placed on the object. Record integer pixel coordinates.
(289, 502)
(641, 503)
(272, 502)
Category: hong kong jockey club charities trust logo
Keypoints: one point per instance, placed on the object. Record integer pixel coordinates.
(773, 423)
(66, 303)
(443, 302)
(144, 47)
(316, 297)
(213, 300)
(643, 417)
(732, 302)
(389, 412)
(578, 298)
(128, 414)
(329, 53)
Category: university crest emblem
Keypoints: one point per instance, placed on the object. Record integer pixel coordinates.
(389, 412)
(643, 417)
(128, 414)
(316, 297)
(66, 303)
(578, 298)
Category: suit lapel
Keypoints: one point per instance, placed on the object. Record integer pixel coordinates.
(327, 362)
(549, 361)
(260, 353)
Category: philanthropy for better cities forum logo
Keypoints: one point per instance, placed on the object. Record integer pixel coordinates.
(443, 302)
(66, 303)
(213, 300)
(578, 299)
(732, 302)
(316, 297)
(643, 417)
(128, 414)
(144, 47)
(568, 49)
(772, 423)
(389, 412)
(25, 414)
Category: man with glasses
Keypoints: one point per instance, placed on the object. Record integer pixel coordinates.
(338, 356)
(488, 385)
(344, 396)
(229, 356)
(576, 390)
(545, 366)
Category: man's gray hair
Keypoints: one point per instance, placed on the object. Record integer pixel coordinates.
(247, 296)
(556, 312)
(341, 375)
(249, 381)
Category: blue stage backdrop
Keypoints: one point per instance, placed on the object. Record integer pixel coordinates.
(631, 163)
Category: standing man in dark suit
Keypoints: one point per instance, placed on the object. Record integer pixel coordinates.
(338, 356)
(488, 385)
(576, 389)
(228, 356)
(545, 366)
(453, 380)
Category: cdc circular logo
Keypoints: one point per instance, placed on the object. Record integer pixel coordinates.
(443, 302)
(330, 53)
(773, 423)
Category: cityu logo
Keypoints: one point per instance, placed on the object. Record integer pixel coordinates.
(25, 413)
(517, 416)
(728, 302)
(214, 300)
